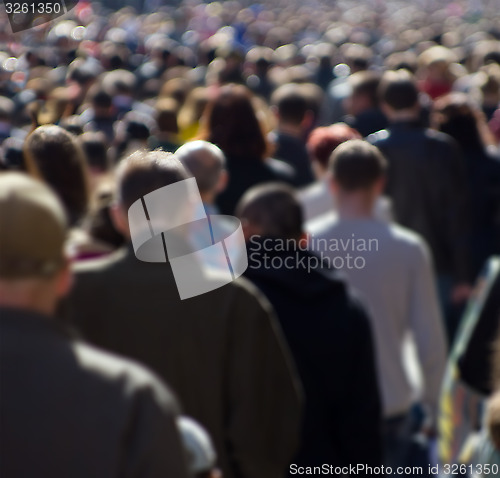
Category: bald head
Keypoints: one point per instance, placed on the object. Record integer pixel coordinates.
(205, 162)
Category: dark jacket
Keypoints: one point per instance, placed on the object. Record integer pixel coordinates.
(427, 185)
(221, 352)
(475, 363)
(331, 341)
(247, 172)
(69, 410)
(483, 177)
(292, 151)
(367, 122)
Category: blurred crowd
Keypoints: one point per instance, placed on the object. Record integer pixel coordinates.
(358, 143)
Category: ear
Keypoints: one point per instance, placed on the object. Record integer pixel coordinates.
(64, 280)
(120, 219)
(222, 183)
(274, 111)
(308, 120)
(334, 185)
(380, 185)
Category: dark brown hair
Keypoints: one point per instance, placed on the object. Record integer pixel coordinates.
(54, 155)
(398, 89)
(230, 122)
(274, 208)
(455, 115)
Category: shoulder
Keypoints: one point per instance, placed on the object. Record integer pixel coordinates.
(250, 296)
(281, 169)
(99, 268)
(441, 140)
(414, 244)
(126, 377)
(322, 227)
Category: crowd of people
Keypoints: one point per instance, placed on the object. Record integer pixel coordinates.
(357, 143)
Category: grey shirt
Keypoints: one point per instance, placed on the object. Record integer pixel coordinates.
(391, 269)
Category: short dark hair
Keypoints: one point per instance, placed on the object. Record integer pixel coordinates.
(146, 171)
(274, 208)
(166, 110)
(357, 164)
(73, 124)
(291, 103)
(102, 99)
(95, 147)
(398, 89)
(366, 83)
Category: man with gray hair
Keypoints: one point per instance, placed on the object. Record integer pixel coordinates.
(207, 164)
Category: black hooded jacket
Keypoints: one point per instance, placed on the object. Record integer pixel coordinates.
(330, 338)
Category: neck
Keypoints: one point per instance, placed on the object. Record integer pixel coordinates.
(291, 130)
(28, 294)
(403, 115)
(355, 206)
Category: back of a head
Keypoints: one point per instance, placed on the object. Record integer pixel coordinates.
(204, 161)
(323, 140)
(32, 228)
(398, 89)
(119, 82)
(96, 150)
(291, 103)
(11, 154)
(166, 110)
(454, 114)
(54, 154)
(102, 99)
(231, 123)
(357, 165)
(366, 83)
(273, 209)
(73, 124)
(144, 172)
(357, 56)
